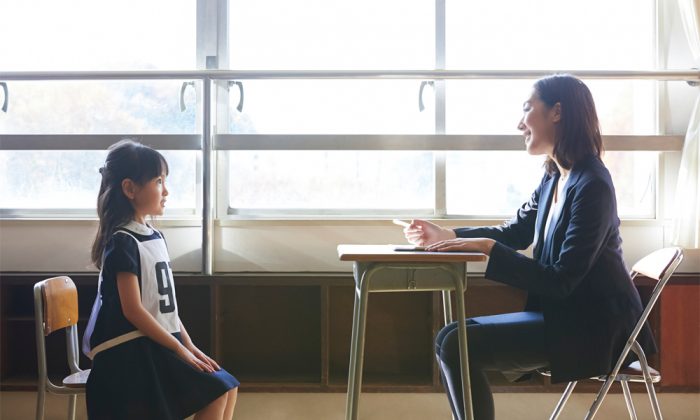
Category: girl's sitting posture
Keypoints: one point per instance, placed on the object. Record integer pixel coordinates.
(145, 365)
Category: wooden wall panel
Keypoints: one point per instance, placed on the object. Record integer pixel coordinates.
(680, 336)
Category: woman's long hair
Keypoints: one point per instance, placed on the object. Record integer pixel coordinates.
(578, 131)
(126, 159)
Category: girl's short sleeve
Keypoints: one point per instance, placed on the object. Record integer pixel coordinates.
(122, 254)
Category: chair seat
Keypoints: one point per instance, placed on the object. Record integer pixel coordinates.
(77, 380)
(633, 373)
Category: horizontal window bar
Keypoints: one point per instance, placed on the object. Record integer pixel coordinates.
(683, 75)
(276, 212)
(96, 141)
(437, 142)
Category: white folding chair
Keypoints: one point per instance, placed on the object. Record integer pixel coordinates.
(659, 266)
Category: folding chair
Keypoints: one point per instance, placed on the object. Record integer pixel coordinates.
(55, 308)
(659, 266)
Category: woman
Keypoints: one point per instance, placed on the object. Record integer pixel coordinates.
(581, 303)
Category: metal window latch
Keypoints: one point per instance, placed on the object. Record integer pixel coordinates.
(693, 83)
(183, 107)
(240, 89)
(7, 96)
(431, 83)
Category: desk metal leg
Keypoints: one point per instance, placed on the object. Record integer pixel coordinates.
(463, 359)
(357, 346)
(447, 306)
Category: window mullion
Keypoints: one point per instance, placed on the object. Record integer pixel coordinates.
(439, 158)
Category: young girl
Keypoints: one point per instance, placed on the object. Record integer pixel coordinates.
(145, 365)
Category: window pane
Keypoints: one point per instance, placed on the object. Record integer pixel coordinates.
(331, 34)
(66, 35)
(330, 180)
(624, 107)
(498, 183)
(98, 107)
(550, 34)
(490, 183)
(331, 107)
(634, 176)
(71, 179)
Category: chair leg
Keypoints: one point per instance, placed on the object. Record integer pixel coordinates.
(562, 401)
(654, 401)
(40, 397)
(628, 400)
(71, 406)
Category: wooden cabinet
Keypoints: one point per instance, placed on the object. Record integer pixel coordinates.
(292, 333)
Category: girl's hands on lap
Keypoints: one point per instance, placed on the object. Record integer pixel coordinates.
(423, 233)
(199, 354)
(185, 354)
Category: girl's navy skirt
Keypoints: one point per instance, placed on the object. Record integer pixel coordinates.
(141, 379)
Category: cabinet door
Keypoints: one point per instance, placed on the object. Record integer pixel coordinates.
(680, 336)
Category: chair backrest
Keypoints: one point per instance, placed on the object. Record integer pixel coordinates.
(659, 264)
(55, 308)
(60, 303)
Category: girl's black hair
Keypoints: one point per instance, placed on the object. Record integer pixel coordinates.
(578, 131)
(127, 159)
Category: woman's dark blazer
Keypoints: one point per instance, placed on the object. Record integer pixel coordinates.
(577, 277)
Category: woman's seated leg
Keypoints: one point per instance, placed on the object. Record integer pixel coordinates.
(507, 342)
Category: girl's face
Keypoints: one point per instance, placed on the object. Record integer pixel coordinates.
(149, 199)
(539, 125)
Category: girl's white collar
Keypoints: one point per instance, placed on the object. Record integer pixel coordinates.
(141, 229)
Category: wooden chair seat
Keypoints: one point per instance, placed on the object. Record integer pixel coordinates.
(77, 380)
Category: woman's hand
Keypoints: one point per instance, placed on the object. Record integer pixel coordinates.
(483, 245)
(203, 357)
(422, 233)
(185, 354)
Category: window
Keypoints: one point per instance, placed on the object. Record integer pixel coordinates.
(339, 36)
(502, 35)
(86, 35)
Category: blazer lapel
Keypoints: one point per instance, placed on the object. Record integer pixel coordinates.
(542, 211)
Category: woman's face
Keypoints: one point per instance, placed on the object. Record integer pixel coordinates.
(539, 125)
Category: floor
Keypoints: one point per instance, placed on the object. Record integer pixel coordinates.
(373, 406)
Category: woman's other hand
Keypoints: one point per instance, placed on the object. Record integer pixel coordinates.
(423, 233)
(483, 245)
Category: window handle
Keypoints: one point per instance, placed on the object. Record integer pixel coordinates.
(240, 89)
(7, 96)
(183, 107)
(431, 83)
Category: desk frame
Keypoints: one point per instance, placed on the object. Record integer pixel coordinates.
(387, 277)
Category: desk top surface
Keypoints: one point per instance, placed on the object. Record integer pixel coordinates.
(386, 253)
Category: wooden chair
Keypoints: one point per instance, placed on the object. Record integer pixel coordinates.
(56, 308)
(659, 266)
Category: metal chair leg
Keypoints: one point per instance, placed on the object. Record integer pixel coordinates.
(649, 384)
(40, 399)
(599, 398)
(654, 401)
(71, 406)
(628, 400)
(562, 401)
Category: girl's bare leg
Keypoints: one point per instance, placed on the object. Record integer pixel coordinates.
(230, 403)
(214, 410)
